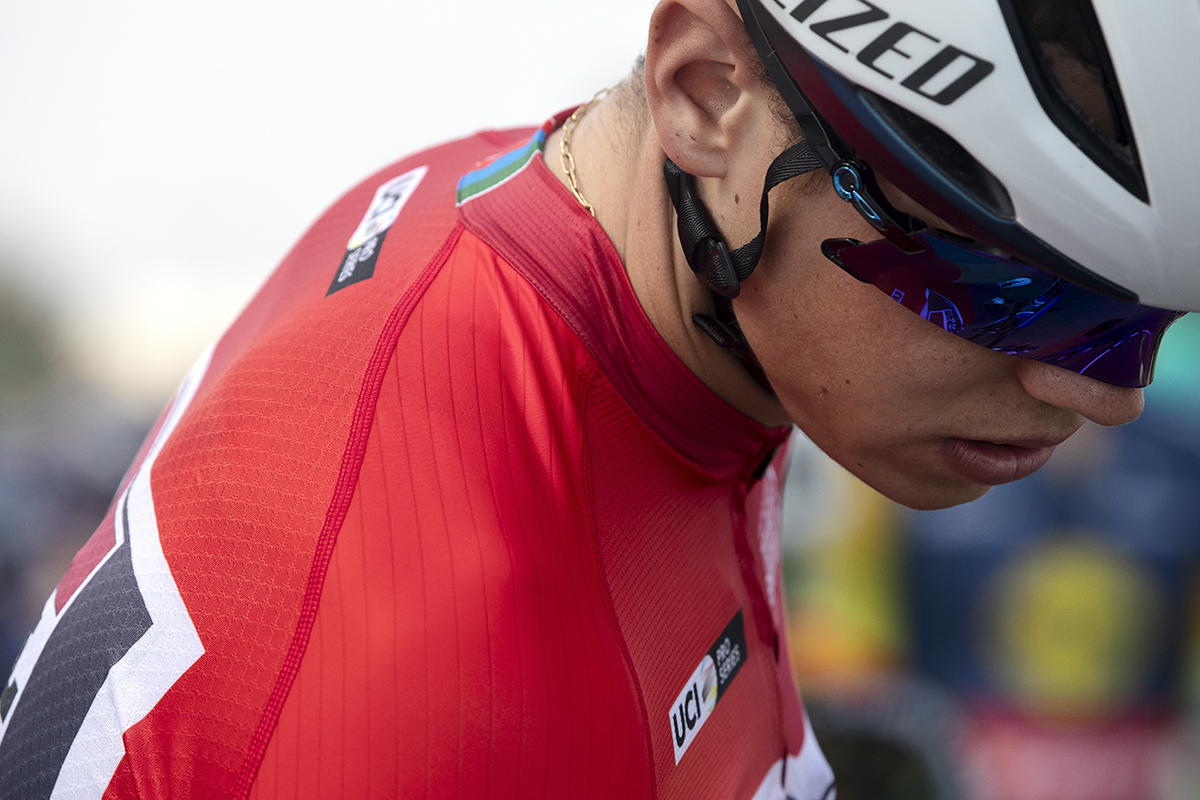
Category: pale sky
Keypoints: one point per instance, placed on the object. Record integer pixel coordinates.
(157, 159)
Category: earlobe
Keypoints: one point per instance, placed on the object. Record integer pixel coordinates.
(695, 70)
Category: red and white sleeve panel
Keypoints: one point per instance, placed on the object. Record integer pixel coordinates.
(164, 657)
(149, 644)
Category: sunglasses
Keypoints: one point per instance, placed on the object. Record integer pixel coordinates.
(992, 300)
(1010, 307)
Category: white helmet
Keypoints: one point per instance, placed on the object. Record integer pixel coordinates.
(971, 107)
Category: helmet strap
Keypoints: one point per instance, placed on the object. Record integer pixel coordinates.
(709, 256)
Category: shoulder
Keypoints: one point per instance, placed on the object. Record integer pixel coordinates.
(203, 580)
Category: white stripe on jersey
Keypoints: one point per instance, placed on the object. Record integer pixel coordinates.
(809, 776)
(138, 681)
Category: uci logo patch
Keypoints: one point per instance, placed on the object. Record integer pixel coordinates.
(362, 251)
(706, 685)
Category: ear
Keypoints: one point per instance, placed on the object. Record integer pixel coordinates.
(699, 83)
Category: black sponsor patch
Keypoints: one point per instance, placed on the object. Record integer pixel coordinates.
(358, 264)
(362, 251)
(706, 685)
(729, 652)
(6, 699)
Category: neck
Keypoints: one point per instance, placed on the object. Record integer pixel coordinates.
(618, 169)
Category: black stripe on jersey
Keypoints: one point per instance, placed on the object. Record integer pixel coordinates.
(107, 618)
(6, 698)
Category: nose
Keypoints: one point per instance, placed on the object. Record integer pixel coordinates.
(1100, 402)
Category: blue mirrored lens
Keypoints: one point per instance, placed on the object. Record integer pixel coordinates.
(1010, 307)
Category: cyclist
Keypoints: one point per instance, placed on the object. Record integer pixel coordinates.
(480, 496)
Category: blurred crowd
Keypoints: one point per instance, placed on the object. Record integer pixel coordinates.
(1041, 643)
(64, 447)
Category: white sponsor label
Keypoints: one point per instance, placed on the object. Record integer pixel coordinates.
(389, 201)
(770, 543)
(693, 706)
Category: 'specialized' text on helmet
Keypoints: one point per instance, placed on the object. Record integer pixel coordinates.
(1061, 131)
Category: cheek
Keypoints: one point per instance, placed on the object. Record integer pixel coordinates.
(872, 384)
(877, 388)
(829, 343)
(840, 346)
(827, 363)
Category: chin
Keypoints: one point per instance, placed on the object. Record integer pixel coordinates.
(909, 478)
(933, 497)
(921, 492)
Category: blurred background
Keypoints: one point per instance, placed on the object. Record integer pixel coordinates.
(1040, 643)
(156, 161)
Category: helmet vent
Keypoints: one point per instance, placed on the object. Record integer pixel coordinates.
(939, 149)
(1062, 48)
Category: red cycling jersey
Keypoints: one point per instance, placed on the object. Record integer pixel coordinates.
(441, 515)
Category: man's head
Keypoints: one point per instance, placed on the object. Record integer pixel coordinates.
(1050, 129)
(923, 415)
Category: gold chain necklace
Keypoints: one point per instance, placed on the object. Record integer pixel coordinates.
(564, 150)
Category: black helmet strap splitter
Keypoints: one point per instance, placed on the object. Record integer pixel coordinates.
(716, 266)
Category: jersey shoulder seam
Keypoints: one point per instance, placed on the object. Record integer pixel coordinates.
(339, 504)
(588, 376)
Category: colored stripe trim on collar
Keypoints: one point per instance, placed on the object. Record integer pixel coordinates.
(478, 182)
